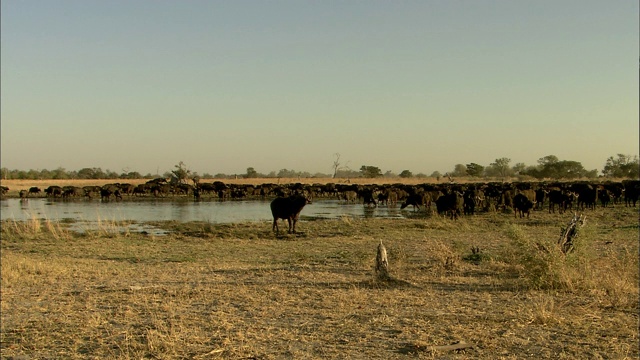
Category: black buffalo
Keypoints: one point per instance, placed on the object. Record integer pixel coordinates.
(288, 208)
(587, 195)
(367, 196)
(416, 200)
(561, 198)
(450, 203)
(631, 192)
(53, 190)
(469, 199)
(541, 195)
(106, 192)
(522, 205)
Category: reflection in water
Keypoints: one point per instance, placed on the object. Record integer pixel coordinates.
(144, 210)
(369, 212)
(24, 204)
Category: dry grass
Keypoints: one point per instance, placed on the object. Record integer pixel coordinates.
(35, 227)
(235, 291)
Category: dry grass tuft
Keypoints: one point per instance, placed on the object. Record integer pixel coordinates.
(544, 311)
(35, 228)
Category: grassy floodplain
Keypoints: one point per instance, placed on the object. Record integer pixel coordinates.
(237, 291)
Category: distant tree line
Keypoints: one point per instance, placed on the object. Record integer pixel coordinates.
(548, 167)
(62, 174)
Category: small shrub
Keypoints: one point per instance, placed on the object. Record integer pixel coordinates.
(445, 256)
(542, 264)
(544, 311)
(476, 256)
(619, 280)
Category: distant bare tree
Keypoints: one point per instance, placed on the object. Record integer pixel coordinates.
(336, 165)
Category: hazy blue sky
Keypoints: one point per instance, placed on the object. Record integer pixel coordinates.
(225, 85)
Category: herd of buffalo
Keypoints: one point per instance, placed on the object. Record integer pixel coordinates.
(449, 198)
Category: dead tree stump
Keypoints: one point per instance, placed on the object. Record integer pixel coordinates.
(382, 263)
(570, 232)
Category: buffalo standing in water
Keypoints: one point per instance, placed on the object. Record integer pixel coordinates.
(288, 208)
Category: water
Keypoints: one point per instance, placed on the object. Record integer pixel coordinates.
(213, 211)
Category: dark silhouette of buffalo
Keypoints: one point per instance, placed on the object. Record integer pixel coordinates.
(416, 200)
(288, 208)
(367, 197)
(587, 195)
(631, 192)
(561, 198)
(522, 205)
(53, 190)
(450, 203)
(34, 190)
(105, 194)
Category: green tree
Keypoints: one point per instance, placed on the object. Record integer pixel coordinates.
(284, 173)
(85, 173)
(251, 173)
(502, 166)
(548, 160)
(406, 174)
(567, 169)
(181, 172)
(45, 174)
(436, 174)
(91, 173)
(109, 174)
(624, 166)
(33, 174)
(131, 175)
(459, 170)
(548, 167)
(474, 169)
(518, 168)
(370, 171)
(59, 174)
(591, 174)
(551, 167)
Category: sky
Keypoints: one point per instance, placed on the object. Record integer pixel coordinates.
(140, 85)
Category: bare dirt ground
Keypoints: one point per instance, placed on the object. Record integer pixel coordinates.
(237, 291)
